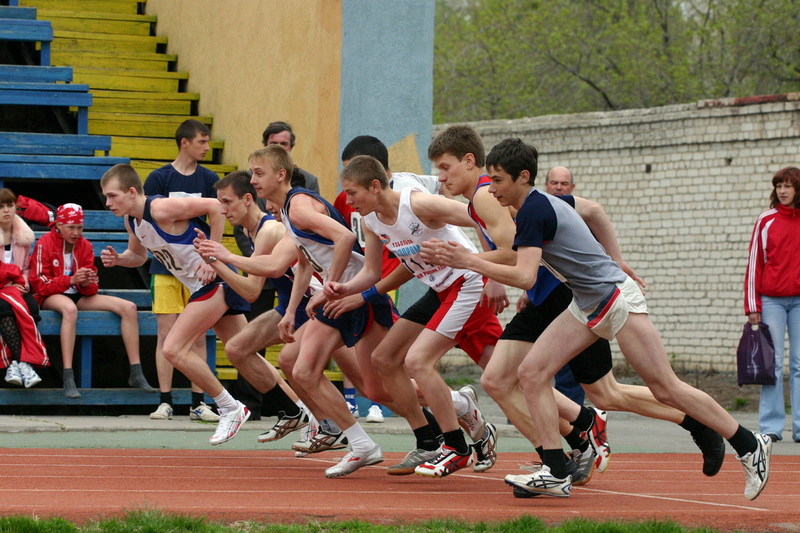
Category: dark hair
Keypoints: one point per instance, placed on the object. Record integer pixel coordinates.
(277, 127)
(367, 145)
(458, 140)
(514, 156)
(7, 196)
(298, 179)
(239, 181)
(789, 175)
(189, 129)
(126, 177)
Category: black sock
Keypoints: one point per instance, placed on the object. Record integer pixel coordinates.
(743, 441)
(556, 460)
(455, 439)
(166, 397)
(426, 438)
(197, 398)
(691, 425)
(575, 441)
(432, 421)
(585, 419)
(280, 401)
(539, 450)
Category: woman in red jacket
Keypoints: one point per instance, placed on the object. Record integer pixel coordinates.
(63, 278)
(772, 296)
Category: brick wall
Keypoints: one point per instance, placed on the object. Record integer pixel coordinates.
(683, 185)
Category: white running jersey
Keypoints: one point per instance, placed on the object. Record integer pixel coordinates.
(317, 249)
(176, 252)
(404, 237)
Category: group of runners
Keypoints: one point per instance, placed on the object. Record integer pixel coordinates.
(333, 302)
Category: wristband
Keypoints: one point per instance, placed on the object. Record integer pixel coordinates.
(372, 295)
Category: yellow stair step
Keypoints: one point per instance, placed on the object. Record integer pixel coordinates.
(106, 42)
(146, 148)
(144, 102)
(145, 167)
(132, 60)
(138, 125)
(130, 7)
(98, 22)
(129, 80)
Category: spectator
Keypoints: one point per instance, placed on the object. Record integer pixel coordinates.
(772, 296)
(182, 177)
(281, 133)
(64, 279)
(20, 346)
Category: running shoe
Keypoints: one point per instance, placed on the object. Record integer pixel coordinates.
(162, 412)
(447, 462)
(597, 438)
(13, 375)
(756, 467)
(203, 413)
(486, 450)
(353, 409)
(580, 465)
(472, 420)
(29, 375)
(284, 426)
(353, 461)
(542, 482)
(307, 433)
(412, 460)
(230, 423)
(375, 414)
(713, 447)
(321, 442)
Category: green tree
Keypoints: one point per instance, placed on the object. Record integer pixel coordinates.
(515, 58)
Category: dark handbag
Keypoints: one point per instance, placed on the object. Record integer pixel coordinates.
(756, 356)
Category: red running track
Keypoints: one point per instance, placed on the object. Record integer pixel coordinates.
(274, 486)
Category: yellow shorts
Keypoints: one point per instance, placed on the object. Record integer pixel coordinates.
(609, 316)
(170, 296)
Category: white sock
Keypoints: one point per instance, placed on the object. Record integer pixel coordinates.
(358, 438)
(460, 404)
(225, 402)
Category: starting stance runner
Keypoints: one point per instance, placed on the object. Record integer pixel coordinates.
(606, 303)
(166, 227)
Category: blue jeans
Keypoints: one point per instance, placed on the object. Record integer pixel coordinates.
(781, 314)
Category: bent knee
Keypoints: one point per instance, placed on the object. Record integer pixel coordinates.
(495, 384)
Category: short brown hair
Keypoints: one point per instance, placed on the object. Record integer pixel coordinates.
(362, 169)
(7, 197)
(277, 156)
(126, 177)
(458, 140)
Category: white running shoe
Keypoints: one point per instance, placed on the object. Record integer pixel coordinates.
(163, 412)
(486, 450)
(13, 375)
(29, 375)
(598, 439)
(375, 414)
(203, 413)
(353, 409)
(353, 461)
(472, 420)
(541, 482)
(756, 467)
(230, 423)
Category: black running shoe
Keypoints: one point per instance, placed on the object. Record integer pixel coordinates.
(713, 447)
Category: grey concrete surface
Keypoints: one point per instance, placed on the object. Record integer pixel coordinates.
(626, 432)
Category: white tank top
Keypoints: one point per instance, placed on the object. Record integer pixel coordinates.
(404, 237)
(176, 252)
(317, 249)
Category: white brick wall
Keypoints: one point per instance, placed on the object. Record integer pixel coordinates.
(685, 225)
